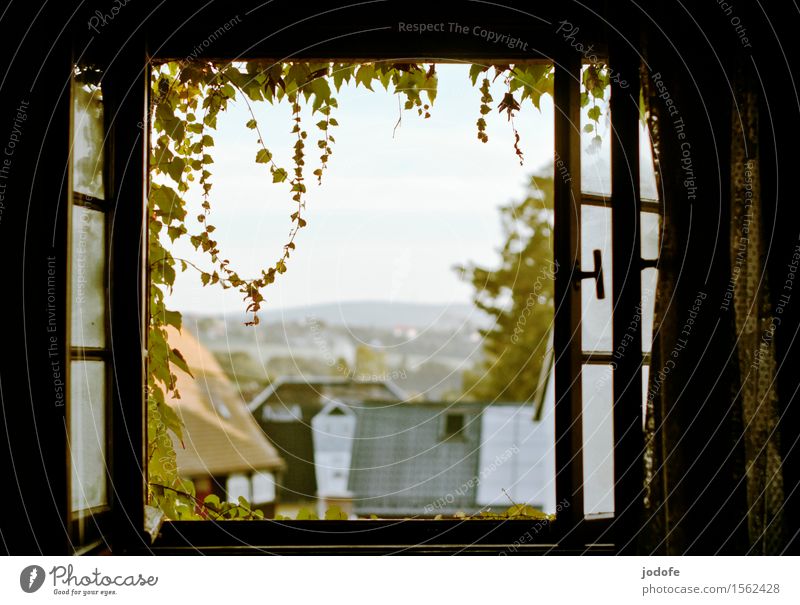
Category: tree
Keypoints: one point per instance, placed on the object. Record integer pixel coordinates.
(518, 298)
(370, 363)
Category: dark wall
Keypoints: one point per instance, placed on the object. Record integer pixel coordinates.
(34, 127)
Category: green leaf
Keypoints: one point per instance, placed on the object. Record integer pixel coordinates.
(263, 156)
(178, 359)
(321, 91)
(175, 169)
(334, 513)
(173, 318)
(279, 175)
(594, 113)
(475, 71)
(305, 514)
(251, 124)
(365, 75)
(342, 74)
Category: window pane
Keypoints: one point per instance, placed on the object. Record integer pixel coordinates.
(647, 175)
(595, 141)
(87, 434)
(88, 290)
(651, 224)
(649, 283)
(596, 316)
(598, 439)
(88, 134)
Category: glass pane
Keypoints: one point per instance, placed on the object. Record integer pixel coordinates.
(596, 315)
(649, 284)
(647, 175)
(87, 434)
(598, 439)
(88, 136)
(87, 271)
(651, 224)
(595, 140)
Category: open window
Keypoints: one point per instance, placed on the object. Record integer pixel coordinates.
(378, 368)
(87, 374)
(597, 224)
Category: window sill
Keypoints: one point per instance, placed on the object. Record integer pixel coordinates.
(376, 537)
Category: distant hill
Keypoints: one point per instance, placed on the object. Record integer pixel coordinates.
(381, 314)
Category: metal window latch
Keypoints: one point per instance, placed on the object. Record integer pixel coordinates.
(649, 263)
(596, 274)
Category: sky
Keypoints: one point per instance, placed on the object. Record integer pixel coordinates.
(397, 209)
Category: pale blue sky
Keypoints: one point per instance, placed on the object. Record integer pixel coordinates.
(392, 216)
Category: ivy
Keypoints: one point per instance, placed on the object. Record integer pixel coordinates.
(186, 102)
(595, 79)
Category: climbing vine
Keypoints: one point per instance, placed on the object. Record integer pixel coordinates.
(186, 101)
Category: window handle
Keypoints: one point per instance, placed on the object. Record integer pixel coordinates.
(596, 274)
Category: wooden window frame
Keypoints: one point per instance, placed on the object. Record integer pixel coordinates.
(126, 94)
(88, 527)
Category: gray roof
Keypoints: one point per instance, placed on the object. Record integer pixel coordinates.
(320, 389)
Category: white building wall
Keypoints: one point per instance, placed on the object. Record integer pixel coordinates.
(518, 455)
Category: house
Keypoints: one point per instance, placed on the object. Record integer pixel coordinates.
(310, 421)
(428, 459)
(224, 451)
(363, 447)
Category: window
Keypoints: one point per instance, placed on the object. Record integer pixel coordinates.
(238, 485)
(569, 358)
(89, 347)
(453, 425)
(599, 354)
